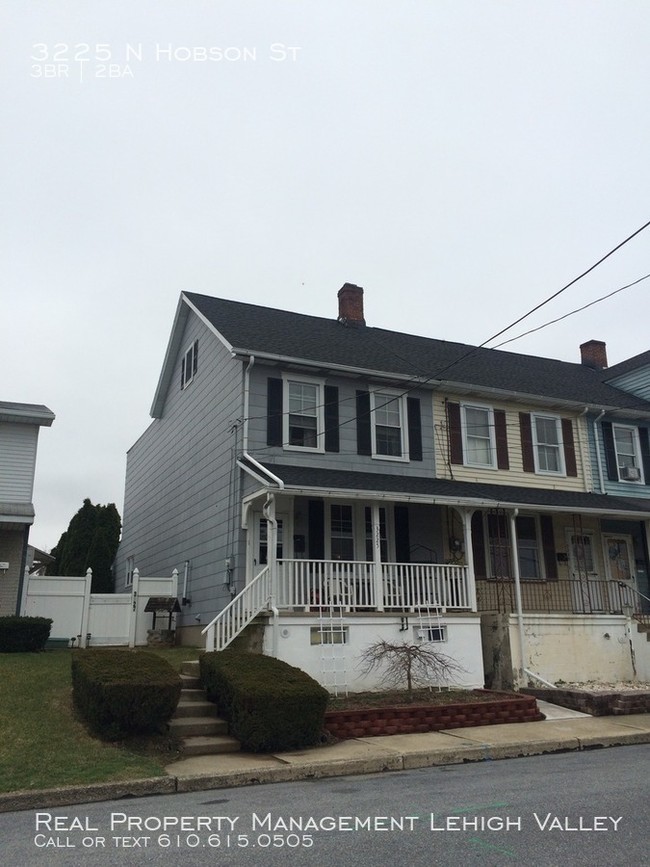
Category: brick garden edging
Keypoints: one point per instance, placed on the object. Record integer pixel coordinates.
(409, 719)
(595, 702)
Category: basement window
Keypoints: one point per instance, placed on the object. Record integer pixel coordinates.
(427, 632)
(329, 635)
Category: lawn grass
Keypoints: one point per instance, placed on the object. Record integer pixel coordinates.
(44, 744)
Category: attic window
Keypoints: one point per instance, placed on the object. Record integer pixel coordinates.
(189, 364)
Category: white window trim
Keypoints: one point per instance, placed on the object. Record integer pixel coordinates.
(465, 434)
(129, 567)
(400, 402)
(189, 354)
(637, 453)
(560, 444)
(320, 410)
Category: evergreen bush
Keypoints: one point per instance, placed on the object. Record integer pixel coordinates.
(122, 691)
(269, 704)
(23, 634)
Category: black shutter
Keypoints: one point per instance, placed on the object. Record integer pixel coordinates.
(455, 436)
(402, 538)
(478, 545)
(645, 453)
(569, 447)
(331, 418)
(501, 436)
(610, 451)
(364, 441)
(548, 547)
(274, 412)
(316, 529)
(414, 429)
(526, 432)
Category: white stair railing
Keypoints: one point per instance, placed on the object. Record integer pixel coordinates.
(236, 616)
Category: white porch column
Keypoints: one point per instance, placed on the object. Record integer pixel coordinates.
(514, 559)
(272, 563)
(466, 515)
(376, 557)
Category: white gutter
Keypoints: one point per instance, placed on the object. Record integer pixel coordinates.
(599, 460)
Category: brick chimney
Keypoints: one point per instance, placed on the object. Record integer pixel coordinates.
(593, 354)
(351, 305)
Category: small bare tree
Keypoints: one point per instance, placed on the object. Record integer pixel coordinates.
(410, 664)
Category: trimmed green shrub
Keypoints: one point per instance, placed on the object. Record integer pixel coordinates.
(20, 634)
(123, 691)
(269, 704)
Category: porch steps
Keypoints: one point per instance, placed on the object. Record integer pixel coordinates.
(196, 720)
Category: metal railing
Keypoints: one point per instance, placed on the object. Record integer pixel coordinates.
(576, 596)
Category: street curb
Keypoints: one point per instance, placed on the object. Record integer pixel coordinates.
(44, 798)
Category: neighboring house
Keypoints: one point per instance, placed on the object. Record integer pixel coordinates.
(354, 483)
(19, 428)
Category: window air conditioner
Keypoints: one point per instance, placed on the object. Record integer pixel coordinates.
(630, 474)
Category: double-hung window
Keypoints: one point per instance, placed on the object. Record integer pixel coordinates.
(478, 435)
(530, 562)
(388, 425)
(547, 444)
(303, 421)
(628, 458)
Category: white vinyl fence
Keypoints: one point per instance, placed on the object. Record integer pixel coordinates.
(94, 619)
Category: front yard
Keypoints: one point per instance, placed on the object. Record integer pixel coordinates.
(43, 743)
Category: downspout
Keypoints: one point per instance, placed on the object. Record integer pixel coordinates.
(585, 463)
(517, 577)
(247, 391)
(599, 461)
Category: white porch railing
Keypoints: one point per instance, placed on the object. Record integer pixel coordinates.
(425, 585)
(352, 584)
(232, 620)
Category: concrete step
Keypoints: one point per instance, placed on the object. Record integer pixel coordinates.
(206, 746)
(191, 726)
(190, 682)
(192, 693)
(191, 668)
(196, 706)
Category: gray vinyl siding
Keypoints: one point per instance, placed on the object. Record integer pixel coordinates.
(636, 382)
(177, 481)
(346, 458)
(17, 461)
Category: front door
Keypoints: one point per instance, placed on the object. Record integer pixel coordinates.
(619, 564)
(587, 590)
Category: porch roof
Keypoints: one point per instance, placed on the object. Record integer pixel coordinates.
(318, 480)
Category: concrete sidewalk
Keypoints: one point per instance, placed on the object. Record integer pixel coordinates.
(563, 730)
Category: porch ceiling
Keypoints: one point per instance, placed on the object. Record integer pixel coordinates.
(316, 481)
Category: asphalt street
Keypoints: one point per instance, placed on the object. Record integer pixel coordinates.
(578, 808)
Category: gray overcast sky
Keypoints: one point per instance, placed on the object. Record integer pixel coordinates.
(461, 160)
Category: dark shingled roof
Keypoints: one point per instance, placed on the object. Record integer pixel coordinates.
(251, 328)
(346, 480)
(627, 366)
